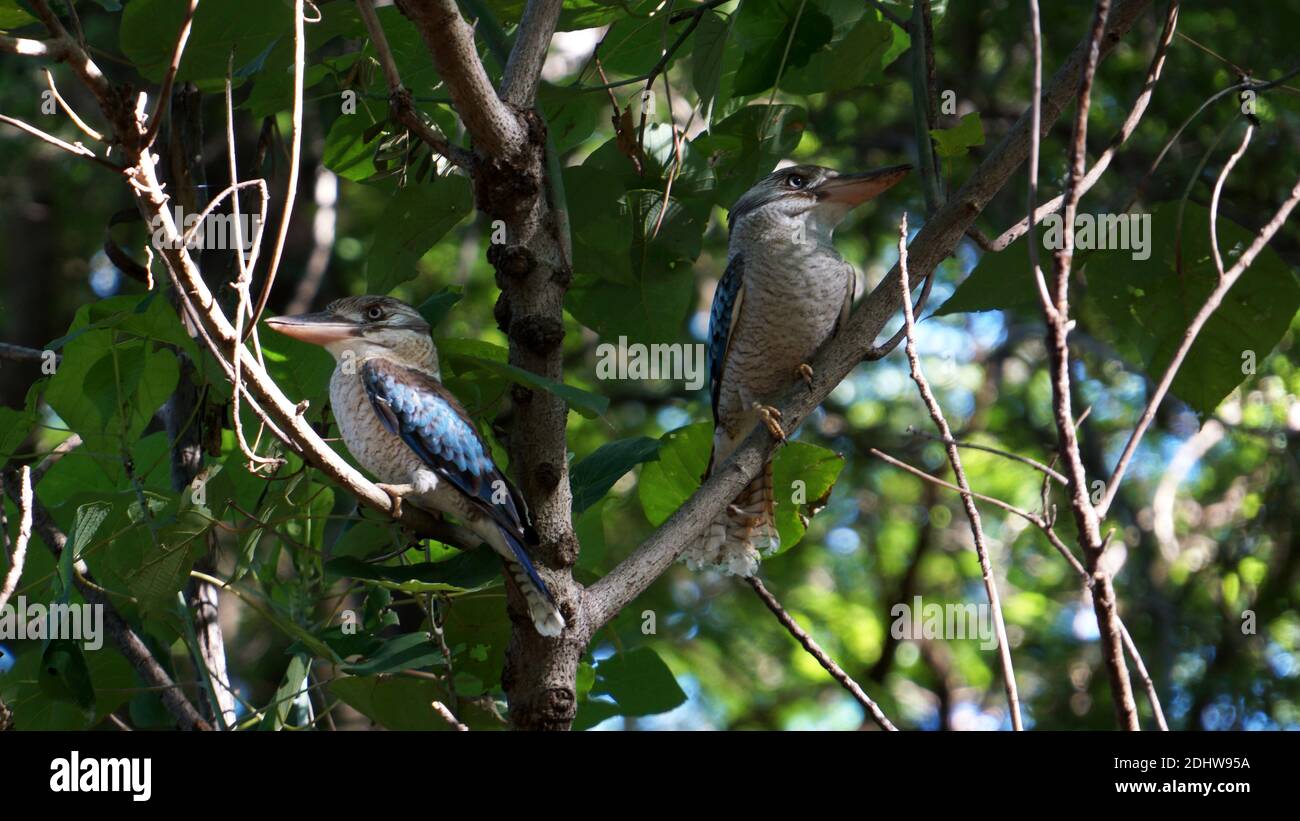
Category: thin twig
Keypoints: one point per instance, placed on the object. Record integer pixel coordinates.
(814, 650)
(76, 149)
(295, 161)
(448, 716)
(1006, 454)
(954, 458)
(67, 109)
(164, 96)
(18, 557)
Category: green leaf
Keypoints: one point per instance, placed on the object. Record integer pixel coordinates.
(414, 219)
(816, 468)
(855, 58)
(777, 34)
(464, 572)
(748, 144)
(639, 682)
(409, 652)
(956, 141)
(347, 152)
(282, 711)
(1000, 281)
(592, 477)
(246, 27)
(435, 308)
(1149, 304)
(394, 702)
(64, 675)
(707, 58)
(588, 404)
(669, 481)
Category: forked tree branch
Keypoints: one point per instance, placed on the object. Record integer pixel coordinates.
(524, 68)
(495, 127)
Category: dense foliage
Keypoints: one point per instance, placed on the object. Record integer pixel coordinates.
(1204, 526)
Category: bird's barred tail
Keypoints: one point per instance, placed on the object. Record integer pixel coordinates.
(744, 531)
(541, 607)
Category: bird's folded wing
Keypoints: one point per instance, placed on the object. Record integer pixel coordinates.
(424, 414)
(727, 299)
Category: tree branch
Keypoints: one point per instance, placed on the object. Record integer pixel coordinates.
(954, 458)
(815, 650)
(495, 127)
(524, 68)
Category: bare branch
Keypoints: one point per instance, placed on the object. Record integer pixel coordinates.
(67, 109)
(399, 99)
(1098, 168)
(815, 650)
(76, 149)
(1046, 470)
(524, 68)
(495, 127)
(295, 161)
(25, 47)
(449, 717)
(954, 458)
(18, 558)
(165, 95)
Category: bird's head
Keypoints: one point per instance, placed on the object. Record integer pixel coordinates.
(811, 194)
(367, 326)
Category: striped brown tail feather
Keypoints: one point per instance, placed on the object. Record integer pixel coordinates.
(742, 533)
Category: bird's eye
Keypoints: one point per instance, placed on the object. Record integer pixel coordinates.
(374, 312)
(796, 181)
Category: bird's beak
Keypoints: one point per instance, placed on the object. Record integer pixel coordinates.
(854, 189)
(320, 328)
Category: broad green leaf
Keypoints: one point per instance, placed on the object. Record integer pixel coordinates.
(777, 36)
(414, 219)
(463, 572)
(347, 153)
(1149, 304)
(283, 710)
(707, 58)
(393, 702)
(639, 682)
(435, 308)
(956, 141)
(408, 652)
(748, 144)
(670, 480)
(592, 477)
(815, 469)
(246, 27)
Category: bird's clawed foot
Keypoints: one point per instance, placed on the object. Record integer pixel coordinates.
(395, 493)
(772, 419)
(805, 372)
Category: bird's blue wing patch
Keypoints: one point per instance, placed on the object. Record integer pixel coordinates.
(418, 409)
(725, 297)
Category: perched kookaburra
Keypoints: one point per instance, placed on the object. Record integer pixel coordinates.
(404, 427)
(785, 291)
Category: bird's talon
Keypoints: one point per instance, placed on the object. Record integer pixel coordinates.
(772, 420)
(394, 499)
(806, 372)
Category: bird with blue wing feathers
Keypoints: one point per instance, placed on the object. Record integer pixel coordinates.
(785, 291)
(400, 422)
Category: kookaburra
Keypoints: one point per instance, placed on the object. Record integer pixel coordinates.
(785, 291)
(403, 426)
